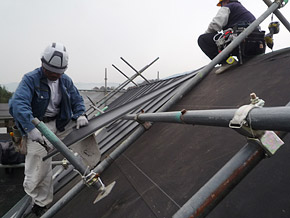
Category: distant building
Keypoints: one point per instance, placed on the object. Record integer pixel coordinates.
(6, 120)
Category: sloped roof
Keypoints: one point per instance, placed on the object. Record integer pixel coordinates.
(119, 129)
(96, 95)
(170, 162)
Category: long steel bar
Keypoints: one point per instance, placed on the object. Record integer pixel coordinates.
(93, 107)
(106, 79)
(204, 201)
(222, 182)
(115, 91)
(135, 70)
(279, 15)
(54, 163)
(60, 146)
(26, 202)
(99, 169)
(124, 75)
(271, 118)
(144, 68)
(121, 86)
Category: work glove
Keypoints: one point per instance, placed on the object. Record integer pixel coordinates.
(82, 121)
(35, 135)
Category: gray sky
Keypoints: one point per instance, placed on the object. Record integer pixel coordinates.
(98, 32)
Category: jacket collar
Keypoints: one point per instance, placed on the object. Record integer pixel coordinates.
(43, 78)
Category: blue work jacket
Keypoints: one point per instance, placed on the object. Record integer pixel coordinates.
(31, 99)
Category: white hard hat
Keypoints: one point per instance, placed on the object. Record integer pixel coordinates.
(55, 58)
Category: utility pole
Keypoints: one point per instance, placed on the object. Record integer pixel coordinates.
(106, 81)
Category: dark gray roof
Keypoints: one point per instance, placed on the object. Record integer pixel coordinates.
(119, 129)
(170, 162)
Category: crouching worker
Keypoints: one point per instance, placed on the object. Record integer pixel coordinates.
(231, 13)
(50, 95)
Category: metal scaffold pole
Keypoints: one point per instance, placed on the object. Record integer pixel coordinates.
(222, 182)
(106, 80)
(98, 170)
(121, 86)
(138, 72)
(89, 177)
(124, 75)
(60, 146)
(279, 15)
(272, 118)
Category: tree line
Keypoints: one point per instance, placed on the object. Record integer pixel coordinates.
(5, 95)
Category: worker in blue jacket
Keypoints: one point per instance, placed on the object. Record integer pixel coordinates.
(50, 95)
(231, 13)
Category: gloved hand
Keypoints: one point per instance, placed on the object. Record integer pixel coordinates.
(35, 135)
(82, 121)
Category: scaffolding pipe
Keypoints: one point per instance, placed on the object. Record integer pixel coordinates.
(20, 165)
(135, 70)
(60, 146)
(23, 208)
(99, 169)
(279, 15)
(106, 79)
(121, 86)
(222, 182)
(115, 91)
(271, 118)
(124, 75)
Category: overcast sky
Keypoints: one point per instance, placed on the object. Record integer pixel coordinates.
(98, 32)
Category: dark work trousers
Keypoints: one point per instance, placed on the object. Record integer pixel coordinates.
(207, 45)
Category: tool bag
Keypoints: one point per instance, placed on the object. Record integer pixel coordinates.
(254, 44)
(8, 154)
(224, 38)
(19, 141)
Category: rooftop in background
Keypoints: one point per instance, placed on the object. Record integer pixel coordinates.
(4, 111)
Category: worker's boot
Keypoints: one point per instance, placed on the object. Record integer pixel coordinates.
(227, 65)
(38, 210)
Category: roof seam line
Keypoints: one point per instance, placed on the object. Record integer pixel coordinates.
(154, 183)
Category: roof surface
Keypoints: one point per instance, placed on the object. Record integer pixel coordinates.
(170, 162)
